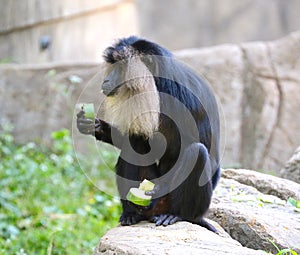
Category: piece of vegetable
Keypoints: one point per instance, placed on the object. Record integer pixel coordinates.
(294, 202)
(138, 197)
(89, 111)
(146, 185)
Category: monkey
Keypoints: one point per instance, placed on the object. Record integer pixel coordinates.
(164, 119)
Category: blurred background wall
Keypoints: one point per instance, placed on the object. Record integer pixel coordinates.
(196, 23)
(35, 31)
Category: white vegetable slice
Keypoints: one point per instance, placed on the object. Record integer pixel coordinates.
(146, 185)
(138, 197)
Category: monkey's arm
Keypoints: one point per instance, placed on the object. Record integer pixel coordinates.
(100, 129)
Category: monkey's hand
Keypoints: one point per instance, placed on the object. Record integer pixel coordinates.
(87, 126)
(159, 190)
(140, 210)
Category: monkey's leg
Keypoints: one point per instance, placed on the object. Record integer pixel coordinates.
(129, 215)
(194, 194)
(190, 188)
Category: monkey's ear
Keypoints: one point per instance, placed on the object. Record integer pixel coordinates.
(108, 55)
(118, 55)
(120, 50)
(113, 55)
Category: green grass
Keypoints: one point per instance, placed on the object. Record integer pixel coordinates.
(287, 251)
(47, 205)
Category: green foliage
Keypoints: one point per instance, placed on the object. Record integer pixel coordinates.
(47, 205)
(7, 60)
(286, 251)
(294, 202)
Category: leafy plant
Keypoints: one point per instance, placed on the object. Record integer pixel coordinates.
(47, 205)
(294, 202)
(7, 60)
(286, 251)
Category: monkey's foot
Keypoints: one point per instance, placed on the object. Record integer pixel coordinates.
(165, 219)
(128, 219)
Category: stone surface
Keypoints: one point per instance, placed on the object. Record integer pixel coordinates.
(254, 217)
(267, 184)
(291, 170)
(180, 238)
(250, 216)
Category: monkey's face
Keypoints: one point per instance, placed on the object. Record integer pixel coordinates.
(131, 75)
(114, 79)
(132, 99)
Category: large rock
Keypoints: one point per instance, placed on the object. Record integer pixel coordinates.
(255, 217)
(291, 170)
(180, 238)
(257, 86)
(267, 184)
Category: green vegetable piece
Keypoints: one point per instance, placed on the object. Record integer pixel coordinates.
(146, 185)
(138, 197)
(294, 202)
(89, 111)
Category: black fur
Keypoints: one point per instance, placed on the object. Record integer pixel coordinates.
(188, 201)
(138, 46)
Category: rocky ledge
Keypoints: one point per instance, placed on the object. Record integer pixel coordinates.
(249, 209)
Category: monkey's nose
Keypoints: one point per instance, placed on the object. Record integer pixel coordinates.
(109, 89)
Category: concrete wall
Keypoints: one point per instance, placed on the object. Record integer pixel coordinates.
(78, 30)
(181, 24)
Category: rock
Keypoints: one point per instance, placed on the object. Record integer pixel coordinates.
(245, 204)
(267, 184)
(292, 169)
(253, 218)
(180, 238)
